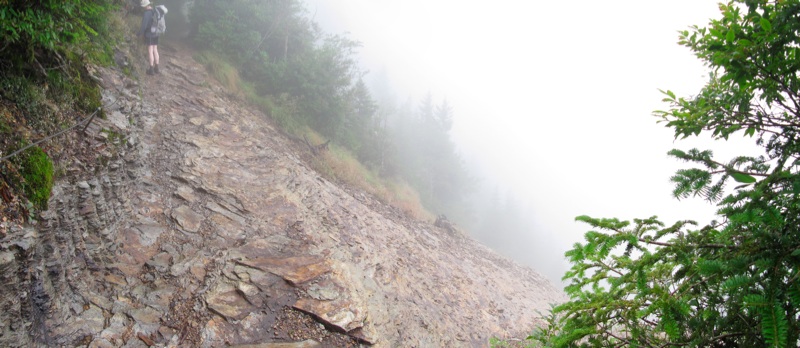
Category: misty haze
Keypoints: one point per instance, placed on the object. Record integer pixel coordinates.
(354, 173)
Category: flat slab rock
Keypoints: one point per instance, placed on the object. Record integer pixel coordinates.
(295, 270)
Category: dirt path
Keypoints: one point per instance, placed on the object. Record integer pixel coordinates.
(209, 231)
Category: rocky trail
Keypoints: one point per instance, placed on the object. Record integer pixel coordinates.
(206, 228)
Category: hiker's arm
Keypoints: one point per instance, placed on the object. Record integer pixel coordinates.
(146, 18)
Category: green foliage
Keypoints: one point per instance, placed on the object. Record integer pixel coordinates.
(33, 29)
(36, 169)
(42, 98)
(734, 281)
(249, 31)
(280, 52)
(45, 47)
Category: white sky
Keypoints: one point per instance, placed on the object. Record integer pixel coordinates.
(553, 99)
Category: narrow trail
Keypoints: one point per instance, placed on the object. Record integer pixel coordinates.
(211, 231)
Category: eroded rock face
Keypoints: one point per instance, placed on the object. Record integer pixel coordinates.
(206, 226)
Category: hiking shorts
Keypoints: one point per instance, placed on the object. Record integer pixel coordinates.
(151, 41)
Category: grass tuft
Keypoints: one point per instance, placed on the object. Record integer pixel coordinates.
(222, 71)
(340, 164)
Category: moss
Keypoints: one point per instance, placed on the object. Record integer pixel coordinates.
(36, 169)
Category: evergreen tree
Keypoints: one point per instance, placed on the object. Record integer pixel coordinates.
(281, 52)
(734, 282)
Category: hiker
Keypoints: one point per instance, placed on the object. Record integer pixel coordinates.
(150, 37)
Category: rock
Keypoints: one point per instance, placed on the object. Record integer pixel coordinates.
(295, 270)
(186, 193)
(324, 293)
(187, 218)
(92, 319)
(197, 121)
(181, 268)
(134, 249)
(160, 262)
(198, 271)
(145, 315)
(6, 257)
(146, 339)
(27, 240)
(116, 330)
(116, 280)
(102, 343)
(338, 313)
(160, 298)
(251, 293)
(100, 301)
(118, 119)
(225, 212)
(226, 301)
(149, 233)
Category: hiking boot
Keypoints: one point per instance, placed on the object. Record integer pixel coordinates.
(155, 69)
(150, 71)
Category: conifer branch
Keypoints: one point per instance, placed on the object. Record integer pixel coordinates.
(703, 246)
(607, 267)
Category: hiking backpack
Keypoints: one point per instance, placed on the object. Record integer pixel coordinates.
(159, 25)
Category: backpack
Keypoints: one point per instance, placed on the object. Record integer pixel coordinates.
(159, 25)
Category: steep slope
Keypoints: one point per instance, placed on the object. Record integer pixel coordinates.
(208, 229)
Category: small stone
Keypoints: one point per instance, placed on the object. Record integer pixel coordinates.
(87, 209)
(115, 279)
(6, 257)
(101, 343)
(227, 302)
(186, 193)
(187, 218)
(149, 233)
(99, 301)
(335, 313)
(93, 319)
(145, 315)
(160, 262)
(147, 340)
(197, 121)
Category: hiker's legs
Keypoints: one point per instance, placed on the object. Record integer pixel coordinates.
(155, 54)
(152, 54)
(154, 58)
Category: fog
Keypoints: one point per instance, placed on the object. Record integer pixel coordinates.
(552, 100)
